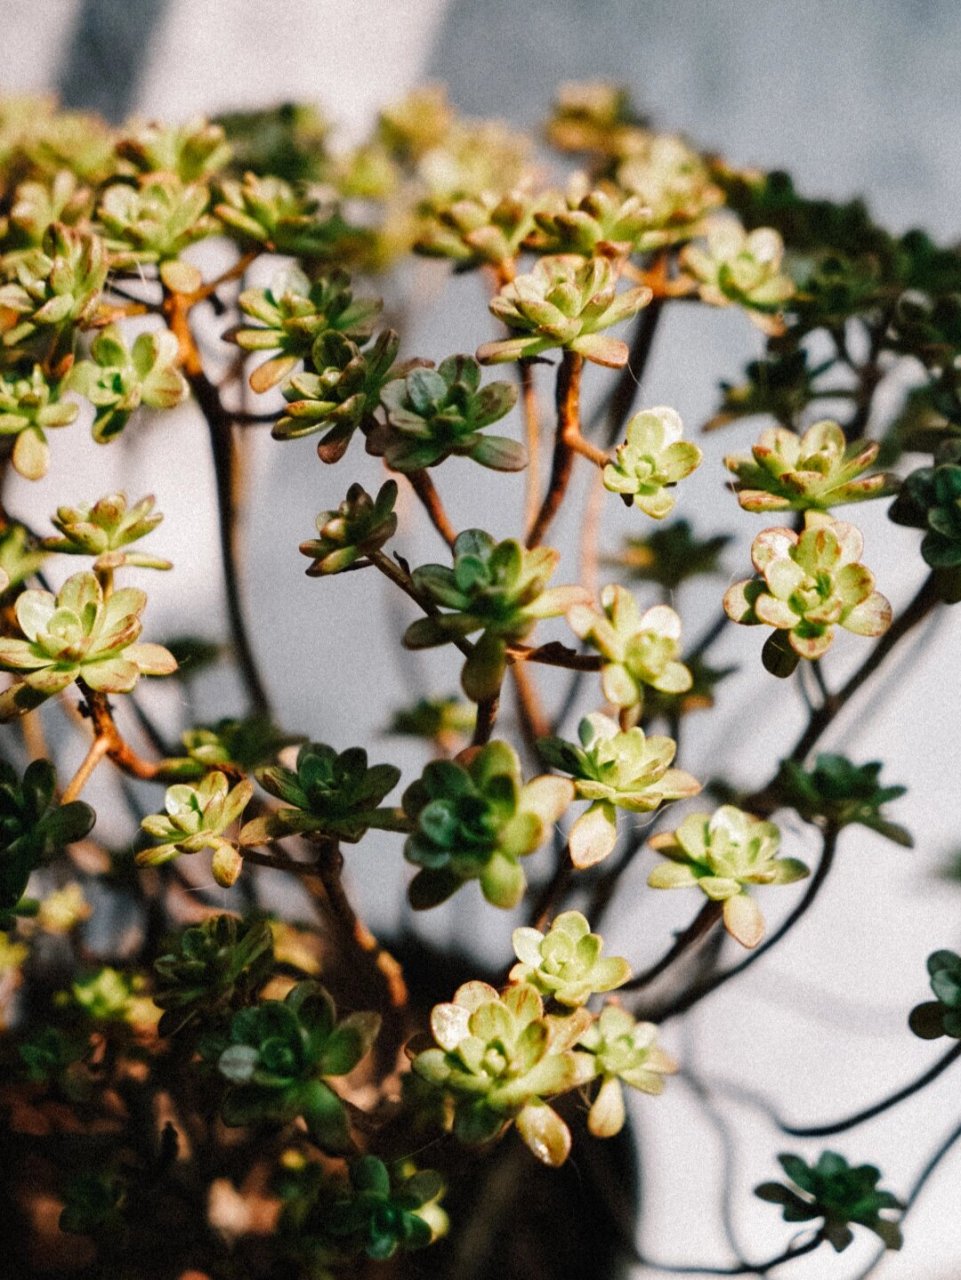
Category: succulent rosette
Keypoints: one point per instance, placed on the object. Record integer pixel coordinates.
(614, 770)
(292, 313)
(30, 407)
(118, 380)
(475, 821)
(637, 649)
(742, 267)
(674, 184)
(436, 413)
(104, 528)
(341, 394)
(817, 470)
(197, 818)
(651, 461)
(808, 584)
(942, 1015)
(498, 1057)
(281, 1055)
(382, 1214)
(565, 301)
(842, 1194)
(601, 220)
(331, 793)
(360, 525)
(497, 588)
(625, 1051)
(565, 964)
(722, 854)
(77, 634)
(930, 499)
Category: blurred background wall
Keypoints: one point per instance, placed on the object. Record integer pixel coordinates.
(852, 98)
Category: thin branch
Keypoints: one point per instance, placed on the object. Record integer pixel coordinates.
(710, 984)
(927, 1171)
(741, 1268)
(924, 602)
(562, 463)
(878, 1108)
(227, 471)
(702, 923)
(424, 487)
(532, 434)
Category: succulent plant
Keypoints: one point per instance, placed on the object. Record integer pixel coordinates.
(383, 1214)
(197, 818)
(342, 395)
(50, 291)
(281, 1055)
(446, 721)
(674, 184)
(566, 964)
(37, 204)
(815, 471)
(104, 528)
(77, 634)
(215, 968)
(476, 820)
(20, 557)
(781, 384)
(839, 792)
(651, 461)
(240, 744)
(614, 770)
(599, 220)
(723, 854)
(191, 151)
(292, 313)
(32, 829)
(843, 1195)
(154, 223)
(29, 407)
(742, 267)
(930, 499)
(499, 1057)
(332, 794)
(360, 525)
(486, 228)
(941, 1016)
(269, 211)
(565, 301)
(118, 380)
(624, 1052)
(669, 555)
(436, 413)
(497, 588)
(591, 115)
(637, 649)
(808, 584)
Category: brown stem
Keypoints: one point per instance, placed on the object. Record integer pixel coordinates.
(228, 475)
(402, 579)
(568, 426)
(330, 865)
(553, 892)
(530, 712)
(423, 486)
(924, 602)
(532, 432)
(98, 749)
(486, 718)
(117, 748)
(702, 923)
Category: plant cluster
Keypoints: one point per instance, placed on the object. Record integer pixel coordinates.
(215, 1050)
